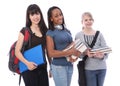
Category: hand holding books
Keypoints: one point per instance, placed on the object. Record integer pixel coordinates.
(78, 45)
(99, 52)
(104, 50)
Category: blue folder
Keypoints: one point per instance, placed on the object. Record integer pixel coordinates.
(35, 55)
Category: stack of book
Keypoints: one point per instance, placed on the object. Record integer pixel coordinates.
(79, 45)
(104, 50)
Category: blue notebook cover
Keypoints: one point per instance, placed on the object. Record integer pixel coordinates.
(34, 54)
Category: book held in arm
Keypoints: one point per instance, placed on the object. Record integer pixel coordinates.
(79, 45)
(103, 49)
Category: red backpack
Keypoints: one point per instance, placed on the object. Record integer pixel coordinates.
(13, 63)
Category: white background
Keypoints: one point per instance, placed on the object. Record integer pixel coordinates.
(105, 13)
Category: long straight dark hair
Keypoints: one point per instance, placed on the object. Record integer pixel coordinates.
(34, 9)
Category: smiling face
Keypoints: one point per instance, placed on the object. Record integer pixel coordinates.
(87, 20)
(57, 17)
(35, 18)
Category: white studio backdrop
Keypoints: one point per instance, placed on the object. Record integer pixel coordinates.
(105, 13)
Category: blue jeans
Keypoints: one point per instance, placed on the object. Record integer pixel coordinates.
(95, 77)
(62, 75)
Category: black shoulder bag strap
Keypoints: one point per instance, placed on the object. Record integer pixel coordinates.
(92, 44)
(94, 40)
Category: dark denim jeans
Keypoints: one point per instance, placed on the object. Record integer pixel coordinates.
(95, 77)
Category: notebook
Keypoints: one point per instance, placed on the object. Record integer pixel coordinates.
(34, 54)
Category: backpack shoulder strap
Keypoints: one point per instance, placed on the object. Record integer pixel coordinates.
(20, 79)
(27, 37)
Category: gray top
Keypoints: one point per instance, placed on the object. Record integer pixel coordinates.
(93, 63)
